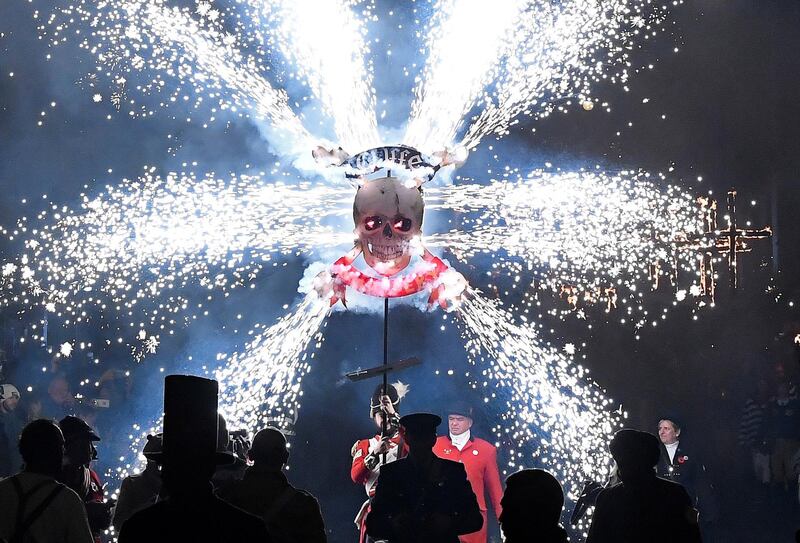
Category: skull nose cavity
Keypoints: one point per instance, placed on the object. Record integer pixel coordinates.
(387, 230)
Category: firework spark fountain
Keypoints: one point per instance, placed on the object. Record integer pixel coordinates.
(142, 251)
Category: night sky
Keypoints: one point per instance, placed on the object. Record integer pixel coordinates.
(731, 97)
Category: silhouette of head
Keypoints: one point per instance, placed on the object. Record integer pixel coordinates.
(533, 499)
(419, 431)
(79, 438)
(636, 453)
(269, 449)
(41, 445)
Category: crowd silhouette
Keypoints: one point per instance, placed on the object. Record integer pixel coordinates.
(193, 489)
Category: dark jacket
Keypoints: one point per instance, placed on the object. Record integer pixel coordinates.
(412, 505)
(203, 519)
(653, 510)
(291, 515)
(687, 470)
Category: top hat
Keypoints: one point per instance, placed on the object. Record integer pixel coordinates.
(460, 407)
(190, 420)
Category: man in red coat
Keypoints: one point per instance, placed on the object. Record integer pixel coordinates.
(371, 453)
(480, 460)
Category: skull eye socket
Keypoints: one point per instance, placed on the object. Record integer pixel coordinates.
(402, 224)
(373, 223)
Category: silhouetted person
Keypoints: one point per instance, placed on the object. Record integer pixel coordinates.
(36, 507)
(422, 498)
(141, 490)
(191, 512)
(229, 473)
(532, 505)
(291, 515)
(642, 507)
(77, 473)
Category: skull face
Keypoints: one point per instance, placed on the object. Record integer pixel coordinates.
(387, 215)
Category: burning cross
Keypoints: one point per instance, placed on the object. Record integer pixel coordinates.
(731, 242)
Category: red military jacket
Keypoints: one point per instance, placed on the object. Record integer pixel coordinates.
(360, 473)
(480, 460)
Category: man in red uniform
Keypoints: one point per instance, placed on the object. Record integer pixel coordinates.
(480, 460)
(368, 454)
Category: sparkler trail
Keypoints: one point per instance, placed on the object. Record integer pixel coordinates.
(202, 57)
(324, 41)
(150, 238)
(553, 415)
(533, 57)
(261, 385)
(587, 230)
(458, 67)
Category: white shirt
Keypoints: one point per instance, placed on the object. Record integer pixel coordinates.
(671, 449)
(460, 441)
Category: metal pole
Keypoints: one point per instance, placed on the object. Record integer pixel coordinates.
(384, 425)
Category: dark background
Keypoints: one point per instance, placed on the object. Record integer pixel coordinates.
(730, 96)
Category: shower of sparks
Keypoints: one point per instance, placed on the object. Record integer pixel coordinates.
(523, 57)
(324, 41)
(260, 386)
(553, 415)
(207, 57)
(151, 252)
(588, 230)
(151, 238)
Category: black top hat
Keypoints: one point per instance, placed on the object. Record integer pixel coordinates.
(190, 420)
(73, 427)
(459, 407)
(420, 422)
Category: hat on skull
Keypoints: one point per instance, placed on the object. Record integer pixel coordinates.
(395, 391)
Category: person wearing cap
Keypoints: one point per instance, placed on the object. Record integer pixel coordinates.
(76, 473)
(140, 490)
(189, 456)
(642, 507)
(368, 455)
(480, 460)
(34, 506)
(291, 515)
(10, 428)
(422, 498)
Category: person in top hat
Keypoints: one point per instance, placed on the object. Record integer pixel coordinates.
(77, 474)
(140, 490)
(642, 507)
(189, 455)
(368, 455)
(479, 458)
(422, 498)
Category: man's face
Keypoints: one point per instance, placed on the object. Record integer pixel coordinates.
(458, 424)
(667, 432)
